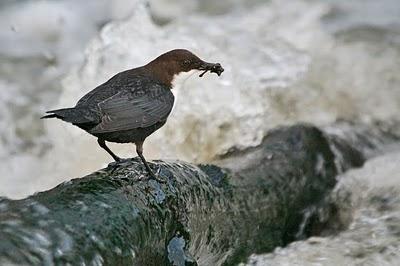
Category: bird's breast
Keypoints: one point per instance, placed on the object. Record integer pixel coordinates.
(178, 82)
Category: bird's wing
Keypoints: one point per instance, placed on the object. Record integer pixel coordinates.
(136, 108)
(111, 87)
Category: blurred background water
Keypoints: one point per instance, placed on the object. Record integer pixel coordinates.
(285, 62)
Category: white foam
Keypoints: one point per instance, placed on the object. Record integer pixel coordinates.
(368, 198)
(282, 65)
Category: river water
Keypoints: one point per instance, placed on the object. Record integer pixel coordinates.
(285, 62)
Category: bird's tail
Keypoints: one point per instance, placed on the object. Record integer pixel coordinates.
(71, 115)
(49, 116)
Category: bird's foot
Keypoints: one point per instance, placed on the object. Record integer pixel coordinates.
(155, 178)
(117, 163)
(114, 166)
(152, 176)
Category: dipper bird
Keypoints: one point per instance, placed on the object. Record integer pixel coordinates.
(134, 103)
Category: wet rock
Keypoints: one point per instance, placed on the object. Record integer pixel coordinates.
(252, 202)
(368, 204)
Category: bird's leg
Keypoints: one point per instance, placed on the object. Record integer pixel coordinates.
(139, 150)
(102, 144)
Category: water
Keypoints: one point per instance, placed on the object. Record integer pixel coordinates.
(33, 59)
(294, 62)
(368, 201)
(312, 61)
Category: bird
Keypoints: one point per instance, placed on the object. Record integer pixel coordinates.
(134, 103)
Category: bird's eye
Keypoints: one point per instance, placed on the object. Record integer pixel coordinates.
(186, 62)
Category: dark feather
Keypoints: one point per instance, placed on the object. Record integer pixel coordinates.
(129, 100)
(49, 116)
(139, 107)
(74, 115)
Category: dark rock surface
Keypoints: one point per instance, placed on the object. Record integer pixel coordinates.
(253, 201)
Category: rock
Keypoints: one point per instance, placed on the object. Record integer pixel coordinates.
(203, 214)
(367, 201)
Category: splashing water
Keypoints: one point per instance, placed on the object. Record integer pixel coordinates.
(368, 202)
(308, 61)
(311, 61)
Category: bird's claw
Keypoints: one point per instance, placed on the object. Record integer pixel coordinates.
(117, 163)
(152, 176)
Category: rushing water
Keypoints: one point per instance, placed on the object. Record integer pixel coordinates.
(369, 205)
(313, 61)
(307, 61)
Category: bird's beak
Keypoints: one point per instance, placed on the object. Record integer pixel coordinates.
(213, 68)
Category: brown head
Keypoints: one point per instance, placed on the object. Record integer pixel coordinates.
(167, 65)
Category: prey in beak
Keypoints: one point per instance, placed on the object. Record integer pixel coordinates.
(213, 68)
